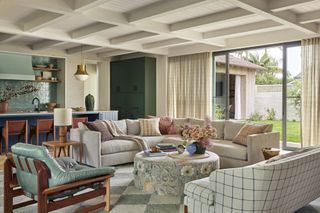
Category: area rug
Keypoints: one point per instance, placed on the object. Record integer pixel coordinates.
(125, 198)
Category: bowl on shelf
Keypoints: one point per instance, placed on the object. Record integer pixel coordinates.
(78, 109)
(39, 78)
(40, 66)
(51, 106)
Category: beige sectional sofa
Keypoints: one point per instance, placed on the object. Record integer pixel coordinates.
(104, 153)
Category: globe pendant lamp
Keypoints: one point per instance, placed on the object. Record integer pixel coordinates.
(81, 73)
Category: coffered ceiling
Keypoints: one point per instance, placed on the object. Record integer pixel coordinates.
(167, 27)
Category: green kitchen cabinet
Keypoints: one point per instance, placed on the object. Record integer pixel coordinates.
(133, 87)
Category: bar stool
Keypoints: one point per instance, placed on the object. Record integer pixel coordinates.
(14, 127)
(75, 121)
(42, 126)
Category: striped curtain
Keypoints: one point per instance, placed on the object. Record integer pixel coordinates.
(189, 85)
(310, 100)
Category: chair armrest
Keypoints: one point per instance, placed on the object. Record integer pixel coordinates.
(256, 142)
(91, 146)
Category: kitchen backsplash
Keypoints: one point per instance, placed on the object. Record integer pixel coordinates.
(47, 92)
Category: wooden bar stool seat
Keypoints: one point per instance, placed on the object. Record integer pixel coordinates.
(14, 127)
(43, 126)
(75, 122)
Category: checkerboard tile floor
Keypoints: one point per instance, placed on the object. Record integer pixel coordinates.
(125, 198)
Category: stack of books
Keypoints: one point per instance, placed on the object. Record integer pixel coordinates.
(167, 147)
(154, 154)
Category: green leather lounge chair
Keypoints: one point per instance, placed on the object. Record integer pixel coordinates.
(52, 183)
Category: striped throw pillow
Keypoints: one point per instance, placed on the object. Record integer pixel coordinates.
(149, 127)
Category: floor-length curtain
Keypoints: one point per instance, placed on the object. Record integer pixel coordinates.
(189, 85)
(310, 98)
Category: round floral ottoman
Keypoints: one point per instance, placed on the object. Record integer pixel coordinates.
(167, 175)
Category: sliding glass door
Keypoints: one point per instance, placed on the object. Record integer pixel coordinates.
(260, 85)
(220, 91)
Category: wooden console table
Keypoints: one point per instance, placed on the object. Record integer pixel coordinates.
(63, 147)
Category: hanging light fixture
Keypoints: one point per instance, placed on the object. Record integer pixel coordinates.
(81, 73)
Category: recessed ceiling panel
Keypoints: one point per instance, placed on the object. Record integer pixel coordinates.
(193, 12)
(124, 6)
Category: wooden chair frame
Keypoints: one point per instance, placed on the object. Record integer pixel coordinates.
(12, 189)
(5, 134)
(36, 131)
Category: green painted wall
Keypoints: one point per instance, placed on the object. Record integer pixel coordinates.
(133, 87)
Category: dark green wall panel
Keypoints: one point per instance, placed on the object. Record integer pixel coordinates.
(133, 87)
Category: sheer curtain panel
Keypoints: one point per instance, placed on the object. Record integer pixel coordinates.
(189, 85)
(310, 97)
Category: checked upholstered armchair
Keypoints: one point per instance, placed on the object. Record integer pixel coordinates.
(52, 183)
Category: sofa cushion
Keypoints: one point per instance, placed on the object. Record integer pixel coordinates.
(165, 124)
(200, 190)
(149, 127)
(101, 127)
(219, 125)
(225, 148)
(116, 146)
(196, 121)
(176, 125)
(174, 139)
(153, 140)
(122, 125)
(248, 129)
(133, 127)
(231, 129)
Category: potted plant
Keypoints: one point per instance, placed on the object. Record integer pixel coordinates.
(9, 93)
(198, 136)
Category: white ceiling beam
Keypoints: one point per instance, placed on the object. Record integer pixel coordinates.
(309, 17)
(113, 53)
(53, 34)
(90, 29)
(280, 5)
(82, 48)
(164, 43)
(131, 37)
(287, 18)
(219, 17)
(162, 8)
(38, 19)
(45, 44)
(242, 29)
(106, 16)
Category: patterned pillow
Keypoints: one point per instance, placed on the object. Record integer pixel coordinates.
(165, 124)
(101, 127)
(248, 129)
(149, 127)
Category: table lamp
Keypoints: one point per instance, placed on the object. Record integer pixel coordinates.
(62, 119)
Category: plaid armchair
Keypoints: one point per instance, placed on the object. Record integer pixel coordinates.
(283, 186)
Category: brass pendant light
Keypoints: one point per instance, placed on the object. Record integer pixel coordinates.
(81, 73)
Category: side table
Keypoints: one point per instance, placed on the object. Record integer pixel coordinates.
(60, 145)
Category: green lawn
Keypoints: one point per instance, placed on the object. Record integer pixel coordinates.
(293, 129)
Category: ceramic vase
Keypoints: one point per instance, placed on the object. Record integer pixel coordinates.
(89, 101)
(3, 107)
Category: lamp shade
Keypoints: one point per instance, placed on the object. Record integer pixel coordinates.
(81, 73)
(62, 116)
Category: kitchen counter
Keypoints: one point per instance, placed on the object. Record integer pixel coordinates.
(45, 113)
